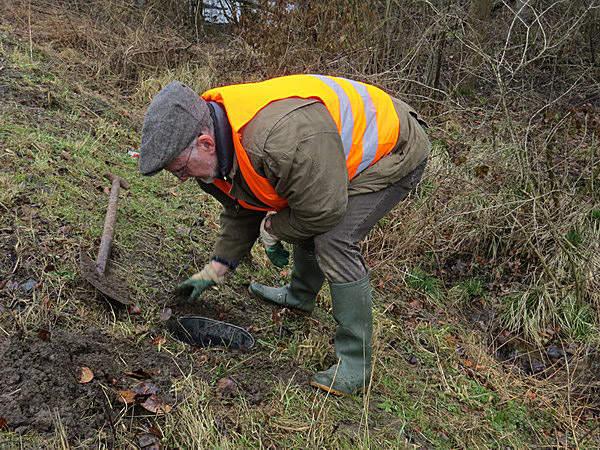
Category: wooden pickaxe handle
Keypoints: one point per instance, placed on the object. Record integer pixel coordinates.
(109, 221)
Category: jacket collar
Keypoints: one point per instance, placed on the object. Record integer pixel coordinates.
(223, 138)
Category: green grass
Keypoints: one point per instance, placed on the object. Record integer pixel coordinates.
(578, 320)
(575, 237)
(419, 280)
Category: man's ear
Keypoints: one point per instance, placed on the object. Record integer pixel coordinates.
(206, 143)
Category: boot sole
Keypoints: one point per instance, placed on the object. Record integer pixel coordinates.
(328, 389)
(291, 308)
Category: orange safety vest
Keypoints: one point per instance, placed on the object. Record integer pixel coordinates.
(364, 115)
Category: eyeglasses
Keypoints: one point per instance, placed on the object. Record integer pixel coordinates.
(181, 172)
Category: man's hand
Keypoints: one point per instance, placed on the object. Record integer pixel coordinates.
(213, 273)
(278, 255)
(197, 287)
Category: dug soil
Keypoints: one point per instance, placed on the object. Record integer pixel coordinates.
(43, 379)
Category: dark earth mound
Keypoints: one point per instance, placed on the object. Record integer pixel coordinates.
(40, 378)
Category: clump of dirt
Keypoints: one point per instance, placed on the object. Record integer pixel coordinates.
(40, 376)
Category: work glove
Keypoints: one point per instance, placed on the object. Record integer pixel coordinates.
(199, 282)
(278, 255)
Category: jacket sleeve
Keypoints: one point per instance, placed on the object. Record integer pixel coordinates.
(305, 162)
(239, 227)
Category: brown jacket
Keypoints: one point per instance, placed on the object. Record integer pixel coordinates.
(295, 144)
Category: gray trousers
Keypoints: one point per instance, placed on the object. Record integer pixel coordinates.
(338, 250)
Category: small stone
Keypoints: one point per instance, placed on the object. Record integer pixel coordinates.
(536, 365)
(29, 285)
(147, 441)
(554, 352)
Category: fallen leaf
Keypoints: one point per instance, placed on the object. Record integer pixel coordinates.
(156, 405)
(156, 432)
(226, 387)
(202, 360)
(44, 335)
(3, 283)
(252, 329)
(459, 160)
(285, 272)
(143, 392)
(394, 309)
(46, 302)
(281, 345)
(165, 314)
(86, 375)
(141, 329)
(472, 365)
(49, 268)
(481, 171)
(127, 397)
(134, 310)
(110, 379)
(3, 424)
(140, 374)
(275, 316)
(66, 229)
(416, 304)
(159, 341)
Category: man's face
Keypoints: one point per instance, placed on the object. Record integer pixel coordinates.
(198, 160)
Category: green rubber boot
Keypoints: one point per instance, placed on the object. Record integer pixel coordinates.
(352, 312)
(300, 294)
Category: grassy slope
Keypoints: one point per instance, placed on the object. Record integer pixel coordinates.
(436, 384)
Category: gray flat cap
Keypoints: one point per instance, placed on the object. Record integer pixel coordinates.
(172, 120)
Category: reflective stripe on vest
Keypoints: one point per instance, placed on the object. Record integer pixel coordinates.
(364, 115)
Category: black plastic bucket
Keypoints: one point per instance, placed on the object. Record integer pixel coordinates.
(205, 332)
